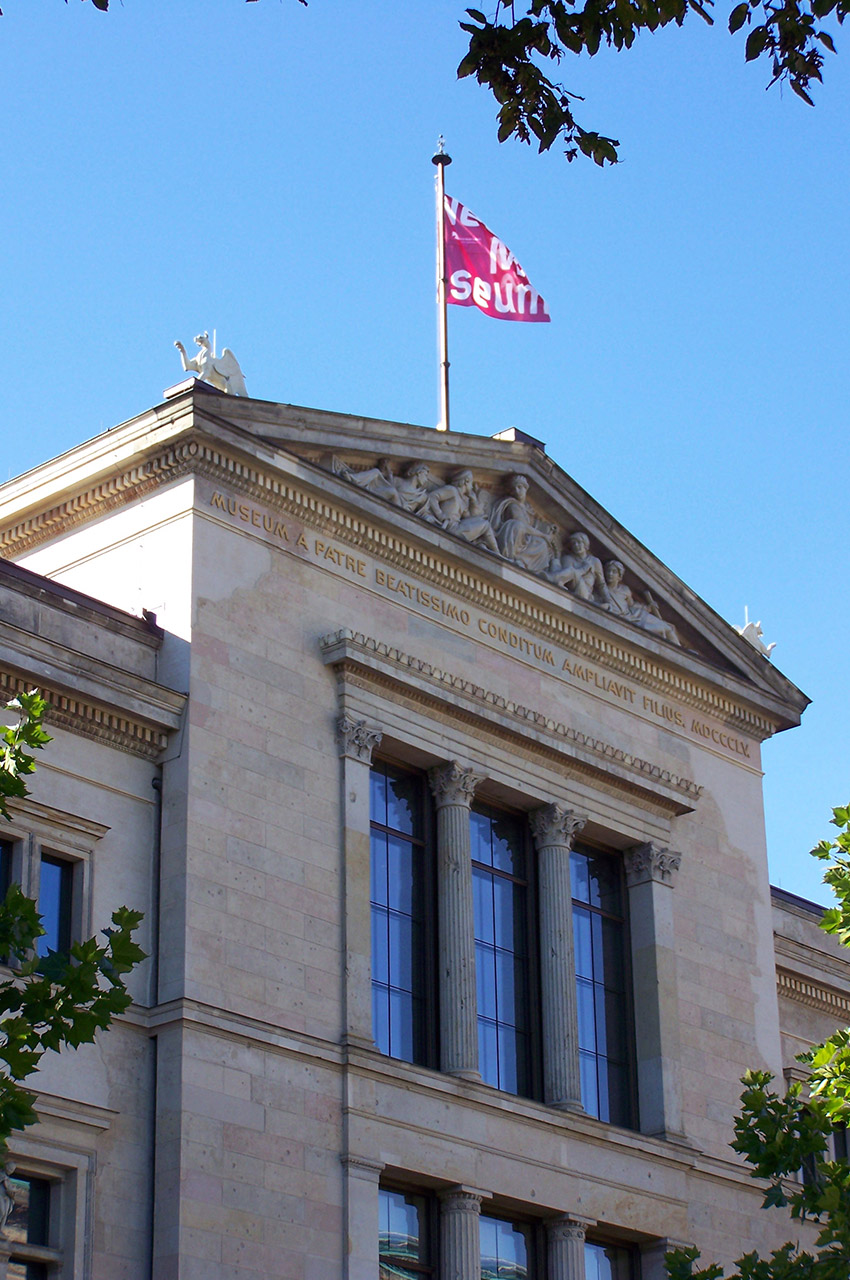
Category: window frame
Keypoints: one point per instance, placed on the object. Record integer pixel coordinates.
(601, 1239)
(532, 995)
(431, 1269)
(615, 855)
(429, 1031)
(36, 830)
(536, 1236)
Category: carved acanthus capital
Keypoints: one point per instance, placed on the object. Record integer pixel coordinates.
(568, 1227)
(651, 862)
(451, 783)
(555, 824)
(356, 739)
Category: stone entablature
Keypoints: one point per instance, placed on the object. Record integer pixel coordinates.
(281, 485)
(364, 659)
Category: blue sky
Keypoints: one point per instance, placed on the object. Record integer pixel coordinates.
(264, 169)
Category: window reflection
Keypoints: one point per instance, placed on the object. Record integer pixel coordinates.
(607, 1262)
(399, 883)
(500, 904)
(403, 1238)
(603, 1008)
(54, 905)
(505, 1250)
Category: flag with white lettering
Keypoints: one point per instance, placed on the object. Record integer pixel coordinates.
(482, 272)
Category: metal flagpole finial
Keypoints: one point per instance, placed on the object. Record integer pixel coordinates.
(441, 156)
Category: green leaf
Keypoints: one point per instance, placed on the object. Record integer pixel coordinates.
(738, 16)
(756, 42)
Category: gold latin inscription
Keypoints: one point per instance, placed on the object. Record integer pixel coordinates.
(513, 641)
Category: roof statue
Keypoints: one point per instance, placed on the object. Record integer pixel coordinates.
(221, 371)
(752, 632)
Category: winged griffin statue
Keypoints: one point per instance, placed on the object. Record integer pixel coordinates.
(221, 371)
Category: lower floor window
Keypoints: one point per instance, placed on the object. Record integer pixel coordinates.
(608, 1262)
(404, 1236)
(506, 1250)
(28, 1228)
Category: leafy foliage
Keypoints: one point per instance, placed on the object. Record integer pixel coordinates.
(512, 54)
(48, 1002)
(778, 1135)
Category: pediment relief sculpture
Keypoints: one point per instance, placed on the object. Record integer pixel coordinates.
(509, 528)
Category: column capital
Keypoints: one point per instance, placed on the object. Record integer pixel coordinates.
(568, 1226)
(356, 739)
(361, 1167)
(555, 824)
(462, 1199)
(452, 783)
(651, 862)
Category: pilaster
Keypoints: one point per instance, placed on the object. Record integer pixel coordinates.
(650, 876)
(356, 741)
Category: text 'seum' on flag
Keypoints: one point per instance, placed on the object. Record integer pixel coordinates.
(482, 272)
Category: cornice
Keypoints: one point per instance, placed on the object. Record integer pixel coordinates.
(355, 654)
(427, 554)
(89, 719)
(814, 995)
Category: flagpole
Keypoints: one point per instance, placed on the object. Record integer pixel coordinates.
(441, 159)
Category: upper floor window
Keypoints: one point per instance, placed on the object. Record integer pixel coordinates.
(55, 904)
(502, 951)
(402, 915)
(604, 1008)
(405, 1249)
(507, 1250)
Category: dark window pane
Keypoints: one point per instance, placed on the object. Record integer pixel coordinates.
(482, 905)
(508, 845)
(380, 881)
(505, 1249)
(579, 876)
(511, 1047)
(589, 1083)
(402, 803)
(607, 1262)
(380, 946)
(54, 905)
(378, 794)
(401, 1025)
(485, 978)
(510, 984)
(586, 1015)
(479, 834)
(839, 1138)
(488, 1052)
(381, 1017)
(583, 942)
(5, 866)
(403, 1245)
(508, 908)
(402, 858)
(27, 1271)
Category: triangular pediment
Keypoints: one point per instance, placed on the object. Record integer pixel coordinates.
(499, 504)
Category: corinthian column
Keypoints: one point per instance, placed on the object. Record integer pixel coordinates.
(565, 1247)
(453, 788)
(461, 1251)
(554, 827)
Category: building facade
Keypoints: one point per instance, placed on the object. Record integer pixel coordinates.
(442, 797)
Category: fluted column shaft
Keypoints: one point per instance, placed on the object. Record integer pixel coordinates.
(453, 787)
(565, 1247)
(460, 1210)
(554, 827)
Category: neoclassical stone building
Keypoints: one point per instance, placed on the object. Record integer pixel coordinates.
(442, 798)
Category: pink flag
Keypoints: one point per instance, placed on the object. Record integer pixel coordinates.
(482, 272)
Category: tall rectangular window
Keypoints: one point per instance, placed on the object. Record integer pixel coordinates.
(5, 867)
(604, 1009)
(54, 904)
(402, 919)
(507, 1250)
(502, 961)
(28, 1224)
(405, 1249)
